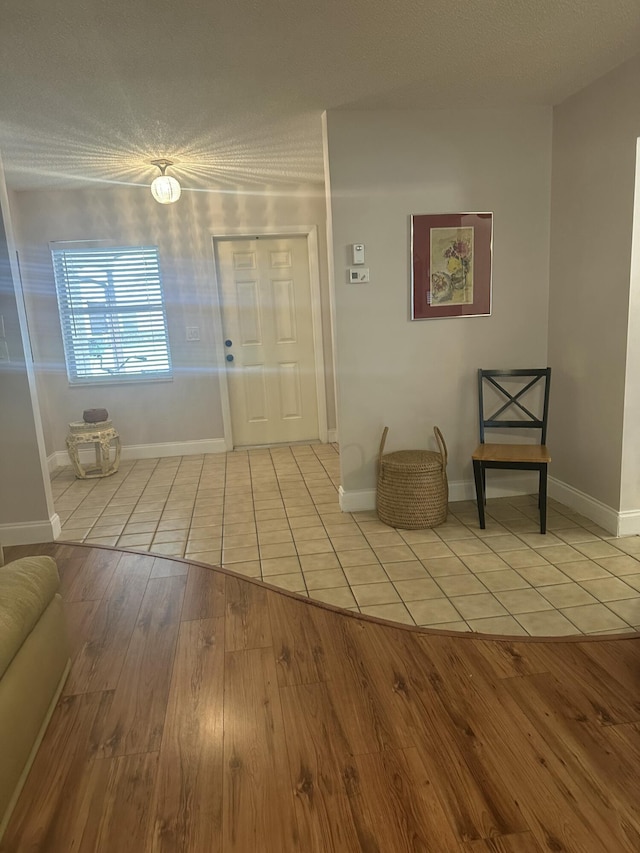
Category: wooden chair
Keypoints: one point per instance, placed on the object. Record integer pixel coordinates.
(513, 414)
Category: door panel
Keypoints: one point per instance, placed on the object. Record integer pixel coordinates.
(247, 300)
(285, 312)
(255, 393)
(290, 397)
(266, 313)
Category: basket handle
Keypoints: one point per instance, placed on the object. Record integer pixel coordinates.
(382, 442)
(443, 450)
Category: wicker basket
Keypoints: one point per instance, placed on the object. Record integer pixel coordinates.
(412, 486)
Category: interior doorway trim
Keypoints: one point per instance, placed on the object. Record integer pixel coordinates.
(245, 233)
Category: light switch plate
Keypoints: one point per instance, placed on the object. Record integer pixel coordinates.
(193, 333)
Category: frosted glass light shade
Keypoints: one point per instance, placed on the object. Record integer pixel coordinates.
(165, 189)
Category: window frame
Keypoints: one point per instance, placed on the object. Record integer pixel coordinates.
(136, 300)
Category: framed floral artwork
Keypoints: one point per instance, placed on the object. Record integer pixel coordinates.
(451, 265)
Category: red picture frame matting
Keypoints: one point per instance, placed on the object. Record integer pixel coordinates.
(435, 289)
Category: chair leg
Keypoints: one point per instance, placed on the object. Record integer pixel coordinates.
(478, 474)
(543, 499)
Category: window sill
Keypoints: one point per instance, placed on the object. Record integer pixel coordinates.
(138, 380)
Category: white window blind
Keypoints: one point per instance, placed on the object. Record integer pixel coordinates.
(112, 314)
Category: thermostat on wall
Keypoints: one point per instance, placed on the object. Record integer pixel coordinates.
(358, 253)
(358, 275)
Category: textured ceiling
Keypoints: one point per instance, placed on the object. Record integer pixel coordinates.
(91, 90)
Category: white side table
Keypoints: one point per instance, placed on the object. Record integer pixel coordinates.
(103, 436)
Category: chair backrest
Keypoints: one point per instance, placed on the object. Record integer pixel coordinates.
(513, 412)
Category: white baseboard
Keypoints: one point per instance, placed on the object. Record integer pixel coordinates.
(60, 458)
(617, 523)
(629, 523)
(357, 500)
(360, 500)
(499, 485)
(176, 448)
(332, 436)
(30, 532)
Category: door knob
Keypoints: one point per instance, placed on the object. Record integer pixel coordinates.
(228, 343)
(229, 357)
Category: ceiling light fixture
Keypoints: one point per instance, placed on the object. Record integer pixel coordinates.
(164, 188)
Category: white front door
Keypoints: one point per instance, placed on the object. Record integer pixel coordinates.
(268, 331)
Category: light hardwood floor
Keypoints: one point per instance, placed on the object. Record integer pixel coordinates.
(205, 712)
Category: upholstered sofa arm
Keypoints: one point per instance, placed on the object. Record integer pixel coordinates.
(34, 662)
(26, 589)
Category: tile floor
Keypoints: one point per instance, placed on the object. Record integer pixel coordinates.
(274, 514)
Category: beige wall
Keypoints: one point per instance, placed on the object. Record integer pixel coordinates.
(594, 156)
(384, 166)
(189, 407)
(25, 494)
(630, 480)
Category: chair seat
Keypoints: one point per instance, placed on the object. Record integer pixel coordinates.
(519, 453)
